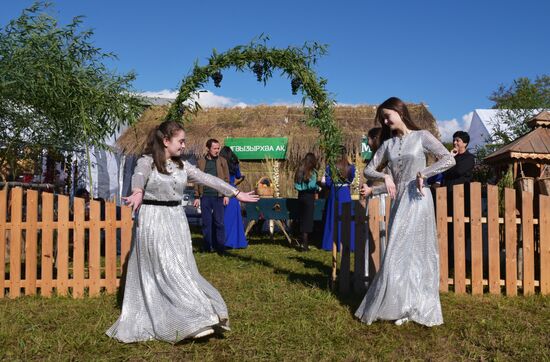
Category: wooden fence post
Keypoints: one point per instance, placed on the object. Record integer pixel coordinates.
(528, 243)
(3, 216)
(15, 241)
(510, 230)
(62, 245)
(374, 236)
(47, 245)
(110, 247)
(78, 248)
(442, 224)
(94, 257)
(544, 232)
(125, 235)
(476, 238)
(360, 249)
(459, 240)
(31, 248)
(493, 234)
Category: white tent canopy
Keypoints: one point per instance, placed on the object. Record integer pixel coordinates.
(483, 125)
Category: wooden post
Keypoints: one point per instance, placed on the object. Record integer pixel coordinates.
(374, 228)
(528, 243)
(78, 248)
(94, 262)
(493, 235)
(544, 232)
(476, 238)
(345, 225)
(62, 245)
(360, 249)
(126, 235)
(510, 230)
(15, 242)
(110, 247)
(459, 240)
(442, 224)
(47, 244)
(3, 215)
(31, 242)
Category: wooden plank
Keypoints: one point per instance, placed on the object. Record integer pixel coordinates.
(359, 253)
(544, 232)
(3, 238)
(47, 245)
(387, 218)
(31, 242)
(510, 231)
(94, 262)
(15, 241)
(476, 238)
(528, 231)
(441, 215)
(345, 252)
(126, 236)
(459, 240)
(78, 247)
(62, 261)
(493, 236)
(374, 236)
(110, 247)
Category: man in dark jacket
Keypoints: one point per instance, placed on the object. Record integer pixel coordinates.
(460, 173)
(212, 203)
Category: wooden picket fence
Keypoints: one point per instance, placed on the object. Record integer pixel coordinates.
(47, 246)
(503, 237)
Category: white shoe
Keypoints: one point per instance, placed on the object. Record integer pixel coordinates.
(204, 333)
(401, 321)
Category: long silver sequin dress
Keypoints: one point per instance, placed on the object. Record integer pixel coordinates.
(407, 284)
(165, 297)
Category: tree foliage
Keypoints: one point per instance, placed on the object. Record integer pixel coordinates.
(56, 92)
(516, 104)
(295, 63)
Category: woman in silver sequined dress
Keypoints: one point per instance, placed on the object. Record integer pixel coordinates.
(407, 285)
(165, 297)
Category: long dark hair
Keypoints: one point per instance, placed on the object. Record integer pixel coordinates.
(231, 158)
(343, 165)
(395, 104)
(306, 168)
(155, 144)
(375, 134)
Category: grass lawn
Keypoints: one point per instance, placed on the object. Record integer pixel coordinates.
(280, 308)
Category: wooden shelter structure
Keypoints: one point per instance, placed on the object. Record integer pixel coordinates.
(529, 154)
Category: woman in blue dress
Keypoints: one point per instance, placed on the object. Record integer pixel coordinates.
(339, 192)
(233, 221)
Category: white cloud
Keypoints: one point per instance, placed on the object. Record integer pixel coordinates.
(205, 99)
(448, 127)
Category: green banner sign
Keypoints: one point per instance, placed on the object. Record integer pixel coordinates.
(258, 148)
(366, 152)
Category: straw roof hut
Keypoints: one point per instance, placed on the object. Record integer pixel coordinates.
(268, 121)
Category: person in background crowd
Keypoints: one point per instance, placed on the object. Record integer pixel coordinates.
(233, 220)
(211, 201)
(305, 182)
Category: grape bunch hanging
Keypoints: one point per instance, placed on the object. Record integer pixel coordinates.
(217, 78)
(295, 84)
(258, 69)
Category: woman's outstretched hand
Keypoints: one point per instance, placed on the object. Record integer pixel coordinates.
(390, 186)
(134, 200)
(247, 197)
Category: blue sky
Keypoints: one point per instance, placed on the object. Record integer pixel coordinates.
(450, 55)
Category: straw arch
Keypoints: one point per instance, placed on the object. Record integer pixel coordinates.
(257, 57)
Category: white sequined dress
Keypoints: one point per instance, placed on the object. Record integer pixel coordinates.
(407, 284)
(165, 297)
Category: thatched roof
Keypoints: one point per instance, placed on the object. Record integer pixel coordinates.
(266, 121)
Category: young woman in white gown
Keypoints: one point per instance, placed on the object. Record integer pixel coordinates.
(165, 297)
(407, 285)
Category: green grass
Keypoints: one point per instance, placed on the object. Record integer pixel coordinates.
(281, 309)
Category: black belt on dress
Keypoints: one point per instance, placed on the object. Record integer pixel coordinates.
(162, 203)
